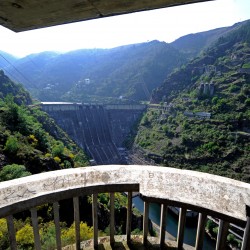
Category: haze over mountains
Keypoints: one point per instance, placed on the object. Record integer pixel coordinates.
(128, 73)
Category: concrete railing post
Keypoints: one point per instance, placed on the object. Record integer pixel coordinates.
(11, 232)
(200, 231)
(129, 216)
(222, 235)
(181, 227)
(35, 228)
(112, 218)
(145, 222)
(57, 225)
(246, 237)
(95, 219)
(77, 222)
(163, 224)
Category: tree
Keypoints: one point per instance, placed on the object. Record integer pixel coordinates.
(58, 149)
(13, 171)
(4, 240)
(25, 238)
(11, 145)
(68, 235)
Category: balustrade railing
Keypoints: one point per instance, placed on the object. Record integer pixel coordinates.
(209, 195)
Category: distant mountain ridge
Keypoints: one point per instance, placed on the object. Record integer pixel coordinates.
(193, 44)
(128, 72)
(112, 72)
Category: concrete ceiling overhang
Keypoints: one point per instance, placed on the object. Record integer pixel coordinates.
(22, 15)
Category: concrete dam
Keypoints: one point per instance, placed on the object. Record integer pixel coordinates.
(98, 129)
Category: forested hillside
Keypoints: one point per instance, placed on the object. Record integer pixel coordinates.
(29, 139)
(202, 120)
(131, 71)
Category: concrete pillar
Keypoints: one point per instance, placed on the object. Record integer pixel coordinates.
(112, 218)
(35, 228)
(163, 224)
(222, 235)
(181, 227)
(145, 222)
(129, 216)
(95, 219)
(200, 231)
(11, 232)
(57, 225)
(246, 237)
(77, 222)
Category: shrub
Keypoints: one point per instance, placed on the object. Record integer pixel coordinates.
(33, 140)
(58, 149)
(68, 235)
(57, 159)
(48, 236)
(247, 102)
(25, 238)
(4, 240)
(11, 145)
(13, 171)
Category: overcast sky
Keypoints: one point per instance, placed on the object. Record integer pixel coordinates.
(164, 25)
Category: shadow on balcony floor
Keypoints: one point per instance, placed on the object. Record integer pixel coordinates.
(121, 244)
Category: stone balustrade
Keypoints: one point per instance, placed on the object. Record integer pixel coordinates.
(210, 195)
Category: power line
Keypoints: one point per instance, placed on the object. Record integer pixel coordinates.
(24, 77)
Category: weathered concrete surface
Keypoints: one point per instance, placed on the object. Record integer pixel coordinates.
(25, 15)
(121, 243)
(219, 194)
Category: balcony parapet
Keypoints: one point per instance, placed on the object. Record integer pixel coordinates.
(207, 194)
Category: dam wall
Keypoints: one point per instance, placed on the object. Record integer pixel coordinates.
(98, 129)
(122, 119)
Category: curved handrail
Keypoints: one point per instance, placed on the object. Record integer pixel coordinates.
(203, 191)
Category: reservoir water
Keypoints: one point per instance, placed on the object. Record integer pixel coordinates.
(172, 223)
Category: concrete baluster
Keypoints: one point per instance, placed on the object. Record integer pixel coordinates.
(200, 231)
(163, 224)
(35, 228)
(95, 219)
(129, 216)
(246, 238)
(222, 235)
(112, 218)
(11, 232)
(57, 225)
(77, 222)
(145, 222)
(181, 227)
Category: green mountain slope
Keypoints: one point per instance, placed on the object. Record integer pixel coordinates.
(28, 137)
(179, 132)
(111, 72)
(9, 87)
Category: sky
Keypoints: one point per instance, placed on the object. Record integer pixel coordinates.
(166, 24)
